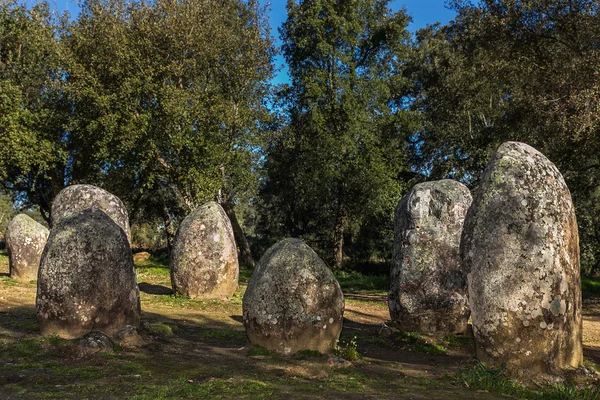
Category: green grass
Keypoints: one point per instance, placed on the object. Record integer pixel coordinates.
(258, 351)
(419, 343)
(590, 287)
(9, 282)
(492, 380)
(221, 334)
(353, 281)
(307, 354)
(153, 267)
(162, 329)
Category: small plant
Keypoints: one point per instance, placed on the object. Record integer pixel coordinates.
(347, 350)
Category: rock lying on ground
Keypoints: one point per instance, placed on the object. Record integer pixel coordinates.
(25, 241)
(293, 302)
(141, 256)
(428, 286)
(520, 247)
(76, 198)
(94, 342)
(204, 263)
(87, 279)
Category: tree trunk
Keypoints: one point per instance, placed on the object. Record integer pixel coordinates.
(240, 236)
(338, 242)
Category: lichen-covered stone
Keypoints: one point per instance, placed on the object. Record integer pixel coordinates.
(428, 287)
(73, 199)
(520, 246)
(25, 241)
(204, 261)
(293, 302)
(87, 280)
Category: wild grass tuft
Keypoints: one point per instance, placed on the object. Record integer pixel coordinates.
(348, 350)
(492, 380)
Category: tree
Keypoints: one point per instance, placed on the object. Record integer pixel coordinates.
(159, 102)
(514, 70)
(32, 107)
(340, 152)
(176, 90)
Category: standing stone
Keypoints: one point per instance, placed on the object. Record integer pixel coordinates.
(293, 302)
(87, 279)
(204, 263)
(428, 288)
(73, 199)
(25, 241)
(521, 247)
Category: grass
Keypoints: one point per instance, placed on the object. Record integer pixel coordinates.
(258, 351)
(590, 287)
(153, 267)
(419, 343)
(492, 380)
(353, 281)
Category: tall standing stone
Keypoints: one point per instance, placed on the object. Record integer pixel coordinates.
(87, 279)
(204, 261)
(521, 247)
(25, 241)
(73, 199)
(293, 302)
(428, 288)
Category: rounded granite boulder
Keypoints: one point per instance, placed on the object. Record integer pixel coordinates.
(25, 241)
(428, 286)
(204, 262)
(520, 247)
(73, 199)
(293, 302)
(87, 279)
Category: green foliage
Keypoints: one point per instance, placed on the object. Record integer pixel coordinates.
(480, 377)
(335, 164)
(513, 70)
(348, 350)
(161, 103)
(147, 236)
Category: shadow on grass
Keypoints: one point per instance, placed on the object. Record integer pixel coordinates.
(158, 290)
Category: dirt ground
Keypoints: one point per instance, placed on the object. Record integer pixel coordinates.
(198, 349)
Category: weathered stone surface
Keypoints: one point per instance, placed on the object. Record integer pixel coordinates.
(25, 241)
(293, 302)
(428, 286)
(73, 199)
(204, 261)
(87, 279)
(93, 342)
(520, 246)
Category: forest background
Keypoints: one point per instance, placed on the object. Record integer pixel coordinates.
(171, 103)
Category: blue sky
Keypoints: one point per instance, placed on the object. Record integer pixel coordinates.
(423, 12)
